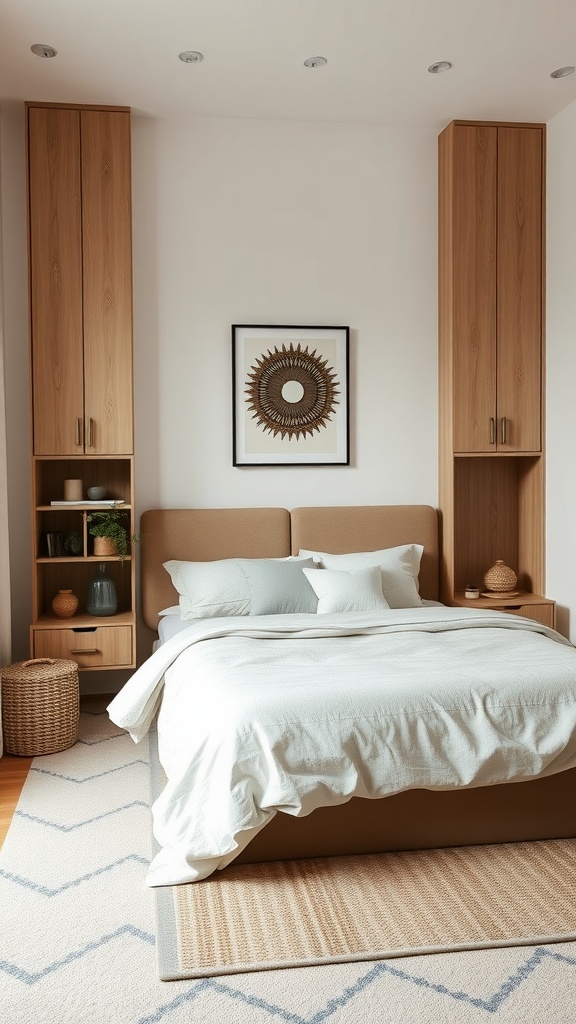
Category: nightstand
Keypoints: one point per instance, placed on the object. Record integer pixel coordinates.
(532, 606)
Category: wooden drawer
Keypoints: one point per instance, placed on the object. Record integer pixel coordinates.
(531, 606)
(543, 613)
(100, 647)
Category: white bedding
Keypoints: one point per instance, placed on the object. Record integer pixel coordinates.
(291, 712)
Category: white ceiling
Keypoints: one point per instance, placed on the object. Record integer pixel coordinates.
(378, 51)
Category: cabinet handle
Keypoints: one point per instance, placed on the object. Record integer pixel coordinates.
(90, 433)
(492, 430)
(85, 650)
(78, 432)
(504, 430)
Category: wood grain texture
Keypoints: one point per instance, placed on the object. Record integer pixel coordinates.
(55, 279)
(531, 606)
(102, 647)
(473, 260)
(519, 288)
(13, 772)
(107, 248)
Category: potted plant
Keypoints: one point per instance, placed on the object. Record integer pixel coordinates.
(110, 536)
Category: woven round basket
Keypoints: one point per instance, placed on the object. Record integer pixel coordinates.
(104, 546)
(40, 706)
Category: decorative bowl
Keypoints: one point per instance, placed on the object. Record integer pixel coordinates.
(96, 493)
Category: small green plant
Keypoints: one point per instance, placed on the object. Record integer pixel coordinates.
(109, 524)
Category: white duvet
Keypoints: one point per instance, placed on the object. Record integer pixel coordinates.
(292, 712)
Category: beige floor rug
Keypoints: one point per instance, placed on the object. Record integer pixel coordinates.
(333, 910)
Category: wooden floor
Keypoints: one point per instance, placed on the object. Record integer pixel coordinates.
(13, 772)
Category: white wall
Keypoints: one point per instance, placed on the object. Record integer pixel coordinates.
(282, 222)
(16, 369)
(561, 368)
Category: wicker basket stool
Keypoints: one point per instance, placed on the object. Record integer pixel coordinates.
(40, 706)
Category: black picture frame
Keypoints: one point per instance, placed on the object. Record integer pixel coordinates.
(290, 395)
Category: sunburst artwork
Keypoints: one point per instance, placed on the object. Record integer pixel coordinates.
(290, 395)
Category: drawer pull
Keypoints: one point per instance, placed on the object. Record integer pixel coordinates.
(86, 650)
(492, 430)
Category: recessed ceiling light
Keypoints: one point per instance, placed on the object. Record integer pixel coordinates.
(315, 62)
(563, 72)
(439, 67)
(41, 50)
(191, 56)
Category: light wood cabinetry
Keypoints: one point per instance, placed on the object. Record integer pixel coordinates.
(491, 252)
(80, 286)
(531, 606)
(80, 280)
(491, 307)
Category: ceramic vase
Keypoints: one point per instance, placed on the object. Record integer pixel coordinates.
(65, 603)
(500, 577)
(101, 597)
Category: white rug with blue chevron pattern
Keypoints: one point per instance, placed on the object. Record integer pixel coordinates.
(77, 928)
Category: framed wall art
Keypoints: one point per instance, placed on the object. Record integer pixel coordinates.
(290, 395)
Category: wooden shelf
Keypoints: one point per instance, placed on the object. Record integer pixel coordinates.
(84, 507)
(522, 598)
(70, 559)
(84, 621)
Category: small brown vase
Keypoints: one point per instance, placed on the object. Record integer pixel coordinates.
(103, 547)
(500, 578)
(65, 603)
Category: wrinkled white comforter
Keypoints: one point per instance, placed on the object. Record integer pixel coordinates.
(292, 712)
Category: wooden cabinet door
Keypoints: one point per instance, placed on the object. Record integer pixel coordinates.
(519, 288)
(56, 280)
(107, 247)
(473, 230)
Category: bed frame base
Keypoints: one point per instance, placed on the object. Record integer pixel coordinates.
(423, 819)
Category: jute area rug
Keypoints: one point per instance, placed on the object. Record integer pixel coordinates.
(332, 910)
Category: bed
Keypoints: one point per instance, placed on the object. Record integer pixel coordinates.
(392, 789)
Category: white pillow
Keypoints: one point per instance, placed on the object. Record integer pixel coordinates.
(400, 567)
(221, 587)
(342, 591)
(174, 609)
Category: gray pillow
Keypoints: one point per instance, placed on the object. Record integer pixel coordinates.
(209, 589)
(279, 587)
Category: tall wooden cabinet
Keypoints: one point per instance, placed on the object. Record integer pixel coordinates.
(80, 287)
(491, 345)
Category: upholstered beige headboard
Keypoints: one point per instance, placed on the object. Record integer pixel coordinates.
(341, 528)
(201, 535)
(198, 535)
